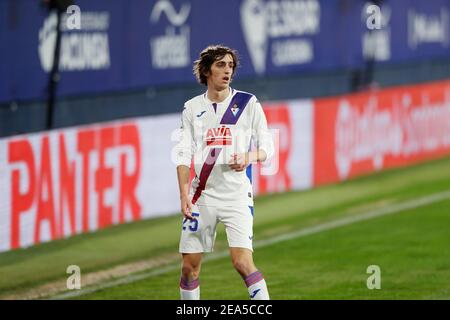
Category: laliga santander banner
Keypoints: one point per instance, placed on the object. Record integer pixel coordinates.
(64, 182)
(370, 131)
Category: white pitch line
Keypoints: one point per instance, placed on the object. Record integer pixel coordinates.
(419, 202)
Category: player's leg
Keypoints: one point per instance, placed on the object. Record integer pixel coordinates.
(238, 223)
(197, 236)
(190, 273)
(242, 259)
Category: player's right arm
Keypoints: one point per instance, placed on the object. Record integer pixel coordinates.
(183, 161)
(183, 173)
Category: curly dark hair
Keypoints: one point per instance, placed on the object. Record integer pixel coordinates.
(208, 56)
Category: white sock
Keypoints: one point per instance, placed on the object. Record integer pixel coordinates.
(189, 290)
(256, 285)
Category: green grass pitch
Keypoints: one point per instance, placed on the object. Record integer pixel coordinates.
(411, 247)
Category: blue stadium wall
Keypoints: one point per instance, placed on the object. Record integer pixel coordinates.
(334, 53)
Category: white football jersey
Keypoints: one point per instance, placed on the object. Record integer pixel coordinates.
(210, 134)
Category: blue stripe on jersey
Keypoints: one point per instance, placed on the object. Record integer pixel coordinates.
(251, 210)
(248, 171)
(241, 100)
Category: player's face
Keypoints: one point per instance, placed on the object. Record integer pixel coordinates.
(221, 72)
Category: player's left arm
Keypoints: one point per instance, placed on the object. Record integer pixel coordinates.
(240, 161)
(262, 138)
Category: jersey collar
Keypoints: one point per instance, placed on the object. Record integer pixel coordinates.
(227, 99)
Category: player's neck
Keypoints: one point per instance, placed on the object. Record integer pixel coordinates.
(216, 95)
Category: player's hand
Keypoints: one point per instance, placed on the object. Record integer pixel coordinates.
(239, 161)
(186, 207)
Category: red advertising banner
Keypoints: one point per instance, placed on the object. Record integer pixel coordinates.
(370, 131)
(278, 117)
(33, 185)
(63, 182)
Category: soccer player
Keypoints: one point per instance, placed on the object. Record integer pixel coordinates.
(217, 131)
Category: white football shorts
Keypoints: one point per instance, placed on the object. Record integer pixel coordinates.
(199, 235)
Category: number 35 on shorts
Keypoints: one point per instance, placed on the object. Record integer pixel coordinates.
(192, 224)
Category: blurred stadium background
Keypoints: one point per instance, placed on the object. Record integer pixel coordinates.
(360, 96)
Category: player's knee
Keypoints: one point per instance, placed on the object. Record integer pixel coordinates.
(190, 271)
(187, 271)
(243, 266)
